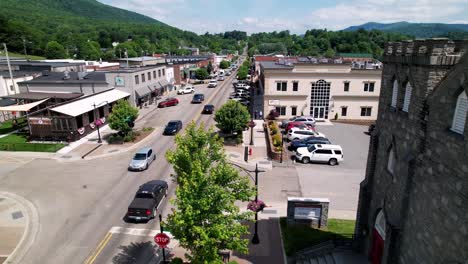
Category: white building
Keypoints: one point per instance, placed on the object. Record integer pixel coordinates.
(321, 88)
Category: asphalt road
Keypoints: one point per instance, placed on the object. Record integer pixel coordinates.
(80, 202)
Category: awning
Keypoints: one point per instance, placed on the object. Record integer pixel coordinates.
(21, 108)
(7, 102)
(85, 105)
(163, 83)
(42, 95)
(142, 91)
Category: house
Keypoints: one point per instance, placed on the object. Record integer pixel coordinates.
(413, 200)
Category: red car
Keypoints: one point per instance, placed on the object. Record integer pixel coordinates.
(299, 124)
(168, 102)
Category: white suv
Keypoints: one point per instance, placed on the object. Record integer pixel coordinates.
(186, 90)
(297, 133)
(331, 154)
(212, 84)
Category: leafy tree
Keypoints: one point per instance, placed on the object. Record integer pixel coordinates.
(224, 64)
(232, 117)
(202, 74)
(330, 53)
(54, 50)
(206, 218)
(209, 68)
(122, 111)
(242, 73)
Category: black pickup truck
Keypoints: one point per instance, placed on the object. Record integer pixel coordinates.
(147, 200)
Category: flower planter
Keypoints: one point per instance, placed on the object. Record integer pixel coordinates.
(272, 153)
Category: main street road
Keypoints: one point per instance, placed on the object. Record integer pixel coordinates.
(79, 202)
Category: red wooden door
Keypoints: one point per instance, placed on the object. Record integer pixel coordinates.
(377, 248)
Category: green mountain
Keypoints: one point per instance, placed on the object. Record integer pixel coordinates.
(418, 30)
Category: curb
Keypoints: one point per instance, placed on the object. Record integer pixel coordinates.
(31, 230)
(285, 259)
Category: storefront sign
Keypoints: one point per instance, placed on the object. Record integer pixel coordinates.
(307, 212)
(273, 102)
(40, 121)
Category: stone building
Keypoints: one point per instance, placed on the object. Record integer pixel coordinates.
(413, 200)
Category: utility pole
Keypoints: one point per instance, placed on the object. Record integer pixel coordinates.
(9, 69)
(24, 46)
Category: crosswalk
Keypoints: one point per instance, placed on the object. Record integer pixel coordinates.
(136, 231)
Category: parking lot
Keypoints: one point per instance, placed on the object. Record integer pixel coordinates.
(339, 183)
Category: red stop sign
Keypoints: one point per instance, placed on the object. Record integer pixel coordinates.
(162, 240)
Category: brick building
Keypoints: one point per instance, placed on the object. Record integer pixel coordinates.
(413, 200)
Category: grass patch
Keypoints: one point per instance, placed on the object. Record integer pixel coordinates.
(298, 237)
(19, 55)
(7, 126)
(16, 142)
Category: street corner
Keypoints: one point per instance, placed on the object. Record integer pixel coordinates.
(19, 224)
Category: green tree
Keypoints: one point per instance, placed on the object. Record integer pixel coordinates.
(122, 111)
(232, 117)
(54, 50)
(330, 53)
(224, 64)
(209, 68)
(206, 218)
(242, 73)
(202, 74)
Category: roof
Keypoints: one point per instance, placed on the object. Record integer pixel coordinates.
(355, 55)
(60, 77)
(273, 65)
(144, 58)
(136, 69)
(22, 107)
(143, 90)
(17, 74)
(40, 96)
(7, 102)
(42, 63)
(86, 104)
(265, 58)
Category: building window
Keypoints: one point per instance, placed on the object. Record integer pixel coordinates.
(369, 86)
(164, 72)
(344, 111)
(346, 86)
(281, 110)
(459, 118)
(320, 99)
(366, 111)
(101, 112)
(391, 161)
(282, 86)
(149, 76)
(11, 88)
(154, 74)
(295, 86)
(137, 80)
(394, 93)
(142, 77)
(159, 73)
(293, 110)
(407, 100)
(91, 116)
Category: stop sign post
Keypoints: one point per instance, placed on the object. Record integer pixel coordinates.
(162, 240)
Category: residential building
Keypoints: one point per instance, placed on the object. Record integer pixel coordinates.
(350, 57)
(322, 88)
(413, 200)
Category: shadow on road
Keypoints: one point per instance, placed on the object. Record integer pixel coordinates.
(141, 252)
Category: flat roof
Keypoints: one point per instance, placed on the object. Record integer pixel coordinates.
(59, 77)
(144, 58)
(136, 69)
(42, 63)
(40, 96)
(16, 74)
(275, 65)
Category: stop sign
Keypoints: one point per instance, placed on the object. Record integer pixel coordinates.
(162, 240)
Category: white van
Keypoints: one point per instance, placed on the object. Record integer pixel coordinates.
(220, 72)
(331, 154)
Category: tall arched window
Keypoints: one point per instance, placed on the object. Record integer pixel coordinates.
(407, 100)
(394, 93)
(459, 118)
(391, 161)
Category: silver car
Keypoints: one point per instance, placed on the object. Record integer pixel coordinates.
(142, 159)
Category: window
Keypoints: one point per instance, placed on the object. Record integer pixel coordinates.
(164, 72)
(407, 100)
(459, 118)
(337, 152)
(11, 88)
(281, 86)
(369, 86)
(142, 77)
(344, 111)
(293, 110)
(346, 86)
(149, 76)
(281, 110)
(323, 151)
(366, 111)
(154, 74)
(91, 116)
(101, 111)
(394, 93)
(295, 86)
(137, 81)
(159, 73)
(391, 161)
(79, 121)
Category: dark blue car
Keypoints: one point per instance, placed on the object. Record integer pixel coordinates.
(308, 141)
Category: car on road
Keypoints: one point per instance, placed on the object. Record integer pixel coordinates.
(198, 98)
(295, 144)
(172, 127)
(221, 78)
(212, 84)
(171, 101)
(147, 200)
(297, 133)
(208, 109)
(331, 154)
(186, 90)
(228, 73)
(142, 159)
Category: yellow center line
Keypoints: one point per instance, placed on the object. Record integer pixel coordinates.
(98, 249)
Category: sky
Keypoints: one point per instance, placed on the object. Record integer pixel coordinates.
(297, 16)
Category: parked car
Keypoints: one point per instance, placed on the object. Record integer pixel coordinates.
(186, 90)
(198, 98)
(241, 85)
(304, 119)
(295, 144)
(221, 78)
(171, 101)
(331, 154)
(297, 133)
(244, 102)
(212, 84)
(208, 109)
(142, 159)
(298, 124)
(172, 127)
(147, 200)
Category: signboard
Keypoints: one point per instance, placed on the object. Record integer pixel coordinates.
(307, 212)
(40, 121)
(162, 240)
(119, 81)
(274, 102)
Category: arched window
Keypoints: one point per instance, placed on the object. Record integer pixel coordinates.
(407, 100)
(391, 161)
(459, 118)
(394, 93)
(380, 224)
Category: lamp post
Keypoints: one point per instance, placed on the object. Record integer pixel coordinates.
(95, 121)
(282, 146)
(251, 124)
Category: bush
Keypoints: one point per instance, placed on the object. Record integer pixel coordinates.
(274, 130)
(276, 140)
(115, 139)
(131, 136)
(336, 116)
(177, 261)
(148, 129)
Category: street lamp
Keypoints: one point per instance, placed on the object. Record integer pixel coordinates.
(282, 146)
(255, 238)
(251, 124)
(95, 121)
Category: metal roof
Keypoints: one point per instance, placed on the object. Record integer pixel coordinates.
(60, 77)
(40, 96)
